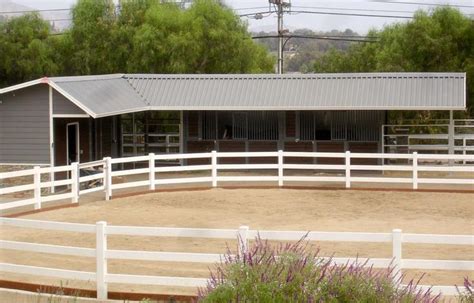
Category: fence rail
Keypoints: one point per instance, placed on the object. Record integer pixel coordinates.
(243, 234)
(102, 172)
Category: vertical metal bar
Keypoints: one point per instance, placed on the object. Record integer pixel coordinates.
(297, 125)
(415, 170)
(280, 168)
(181, 134)
(200, 125)
(451, 136)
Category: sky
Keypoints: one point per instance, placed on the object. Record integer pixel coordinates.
(315, 22)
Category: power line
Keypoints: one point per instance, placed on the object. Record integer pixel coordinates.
(37, 11)
(248, 8)
(69, 9)
(354, 9)
(331, 13)
(57, 20)
(422, 3)
(353, 15)
(317, 37)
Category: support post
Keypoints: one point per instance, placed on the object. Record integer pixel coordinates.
(280, 168)
(37, 189)
(348, 169)
(415, 170)
(51, 140)
(451, 137)
(214, 168)
(75, 185)
(101, 260)
(397, 255)
(108, 178)
(151, 173)
(243, 240)
(451, 133)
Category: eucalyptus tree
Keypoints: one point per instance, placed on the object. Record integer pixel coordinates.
(439, 41)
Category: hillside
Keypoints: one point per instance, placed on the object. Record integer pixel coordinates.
(300, 53)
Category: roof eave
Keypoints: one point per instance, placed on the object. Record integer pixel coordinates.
(8, 89)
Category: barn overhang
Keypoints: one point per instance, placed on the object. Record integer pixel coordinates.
(109, 95)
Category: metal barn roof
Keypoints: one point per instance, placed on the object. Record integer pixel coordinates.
(106, 95)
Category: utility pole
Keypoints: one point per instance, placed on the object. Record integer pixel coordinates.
(280, 6)
(280, 37)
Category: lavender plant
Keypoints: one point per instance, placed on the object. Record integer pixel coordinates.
(294, 273)
(467, 295)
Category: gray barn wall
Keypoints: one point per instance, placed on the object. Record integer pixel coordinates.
(61, 105)
(24, 126)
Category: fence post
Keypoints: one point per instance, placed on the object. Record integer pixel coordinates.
(51, 179)
(75, 182)
(415, 170)
(348, 169)
(101, 260)
(243, 240)
(151, 173)
(214, 168)
(397, 255)
(280, 168)
(37, 189)
(107, 178)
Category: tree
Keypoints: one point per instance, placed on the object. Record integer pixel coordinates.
(88, 45)
(146, 36)
(139, 36)
(206, 38)
(440, 41)
(26, 49)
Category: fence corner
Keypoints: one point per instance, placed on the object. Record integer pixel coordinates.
(108, 178)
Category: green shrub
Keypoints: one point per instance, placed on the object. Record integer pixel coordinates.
(292, 273)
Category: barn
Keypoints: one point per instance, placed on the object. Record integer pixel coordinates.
(59, 120)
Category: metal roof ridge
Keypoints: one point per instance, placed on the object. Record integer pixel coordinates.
(86, 78)
(295, 76)
(142, 97)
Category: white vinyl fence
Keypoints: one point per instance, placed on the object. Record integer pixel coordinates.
(102, 254)
(102, 172)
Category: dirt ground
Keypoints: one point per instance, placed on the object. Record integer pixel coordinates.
(275, 209)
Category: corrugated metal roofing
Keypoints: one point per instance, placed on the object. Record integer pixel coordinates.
(102, 95)
(308, 91)
(106, 95)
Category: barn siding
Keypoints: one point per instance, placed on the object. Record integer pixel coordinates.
(24, 126)
(61, 105)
